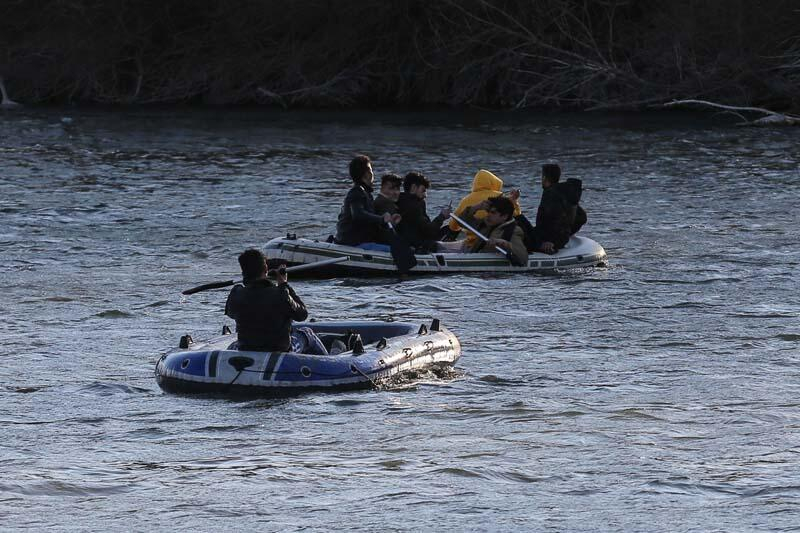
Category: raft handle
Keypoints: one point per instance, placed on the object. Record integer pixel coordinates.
(226, 330)
(423, 330)
(436, 325)
(381, 344)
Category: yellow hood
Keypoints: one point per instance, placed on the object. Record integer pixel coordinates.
(486, 181)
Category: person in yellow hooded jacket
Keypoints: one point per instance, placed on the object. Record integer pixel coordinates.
(485, 185)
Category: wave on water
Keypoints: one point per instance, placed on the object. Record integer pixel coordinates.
(431, 288)
(113, 313)
(24, 390)
(63, 488)
(690, 305)
(497, 380)
(107, 389)
(157, 304)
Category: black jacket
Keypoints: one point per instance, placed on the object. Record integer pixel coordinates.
(358, 222)
(416, 226)
(559, 216)
(263, 313)
(384, 205)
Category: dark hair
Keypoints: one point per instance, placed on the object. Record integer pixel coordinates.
(358, 166)
(551, 172)
(503, 205)
(415, 178)
(394, 179)
(253, 264)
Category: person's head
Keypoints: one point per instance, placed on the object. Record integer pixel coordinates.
(361, 170)
(390, 186)
(417, 184)
(501, 209)
(253, 263)
(551, 173)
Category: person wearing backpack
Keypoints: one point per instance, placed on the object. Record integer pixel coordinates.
(559, 215)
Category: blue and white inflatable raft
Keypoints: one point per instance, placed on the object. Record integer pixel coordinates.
(386, 351)
(340, 260)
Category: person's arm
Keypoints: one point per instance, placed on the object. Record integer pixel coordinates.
(359, 211)
(468, 215)
(297, 309)
(232, 303)
(435, 225)
(580, 219)
(518, 248)
(462, 205)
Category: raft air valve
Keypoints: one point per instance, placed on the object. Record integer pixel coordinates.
(185, 341)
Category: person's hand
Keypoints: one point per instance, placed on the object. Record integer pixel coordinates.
(396, 218)
(281, 275)
(387, 218)
(514, 195)
(548, 247)
(445, 212)
(501, 243)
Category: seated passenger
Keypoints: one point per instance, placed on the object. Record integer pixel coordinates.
(358, 224)
(559, 215)
(264, 311)
(485, 185)
(386, 201)
(498, 226)
(416, 226)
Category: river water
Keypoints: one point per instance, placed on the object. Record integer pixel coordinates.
(660, 393)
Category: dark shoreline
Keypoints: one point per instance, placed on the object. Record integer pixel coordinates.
(366, 54)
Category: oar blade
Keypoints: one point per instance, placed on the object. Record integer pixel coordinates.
(209, 286)
(402, 253)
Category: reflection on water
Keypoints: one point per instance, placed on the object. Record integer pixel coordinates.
(661, 390)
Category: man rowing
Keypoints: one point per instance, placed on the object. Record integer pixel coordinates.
(497, 227)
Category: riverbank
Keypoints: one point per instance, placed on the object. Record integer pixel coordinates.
(552, 54)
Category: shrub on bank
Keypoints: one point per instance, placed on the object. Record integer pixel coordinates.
(497, 53)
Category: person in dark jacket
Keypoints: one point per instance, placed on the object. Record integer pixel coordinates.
(263, 310)
(416, 226)
(386, 201)
(358, 224)
(559, 215)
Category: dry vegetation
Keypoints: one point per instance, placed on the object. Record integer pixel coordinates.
(495, 53)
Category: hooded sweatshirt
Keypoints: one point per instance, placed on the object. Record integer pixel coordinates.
(485, 185)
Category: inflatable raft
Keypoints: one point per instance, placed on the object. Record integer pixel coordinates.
(376, 352)
(579, 252)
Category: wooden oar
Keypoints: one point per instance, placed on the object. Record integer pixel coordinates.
(297, 268)
(480, 235)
